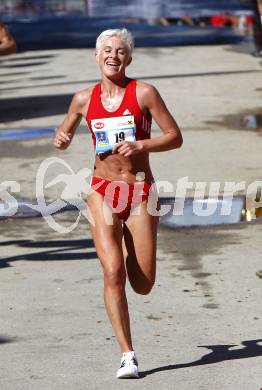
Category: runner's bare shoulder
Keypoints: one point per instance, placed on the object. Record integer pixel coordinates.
(145, 94)
(81, 99)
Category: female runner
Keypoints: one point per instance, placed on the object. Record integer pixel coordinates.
(119, 111)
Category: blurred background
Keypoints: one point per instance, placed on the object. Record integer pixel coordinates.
(76, 23)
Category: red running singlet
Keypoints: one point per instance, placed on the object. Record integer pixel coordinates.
(128, 106)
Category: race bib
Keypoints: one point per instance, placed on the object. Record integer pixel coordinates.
(110, 131)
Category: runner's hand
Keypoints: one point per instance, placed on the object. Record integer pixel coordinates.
(127, 148)
(62, 140)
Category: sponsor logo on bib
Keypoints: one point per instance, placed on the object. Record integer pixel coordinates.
(99, 125)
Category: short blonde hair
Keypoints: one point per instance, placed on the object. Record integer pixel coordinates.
(122, 33)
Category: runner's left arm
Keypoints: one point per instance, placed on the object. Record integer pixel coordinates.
(171, 137)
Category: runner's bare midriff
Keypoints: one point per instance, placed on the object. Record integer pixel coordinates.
(115, 167)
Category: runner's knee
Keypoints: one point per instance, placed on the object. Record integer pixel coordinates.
(145, 288)
(114, 276)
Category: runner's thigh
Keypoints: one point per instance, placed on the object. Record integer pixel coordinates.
(107, 237)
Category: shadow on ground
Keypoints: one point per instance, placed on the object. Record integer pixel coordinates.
(41, 106)
(219, 353)
(6, 339)
(56, 250)
(33, 107)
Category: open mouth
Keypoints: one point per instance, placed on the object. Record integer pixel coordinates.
(112, 65)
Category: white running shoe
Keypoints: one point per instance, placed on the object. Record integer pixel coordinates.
(129, 366)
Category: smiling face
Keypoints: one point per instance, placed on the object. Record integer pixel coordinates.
(113, 58)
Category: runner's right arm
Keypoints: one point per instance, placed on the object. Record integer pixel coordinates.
(77, 109)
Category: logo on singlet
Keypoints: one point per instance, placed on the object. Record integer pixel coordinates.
(126, 112)
(99, 125)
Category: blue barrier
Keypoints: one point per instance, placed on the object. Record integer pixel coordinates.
(81, 32)
(17, 134)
